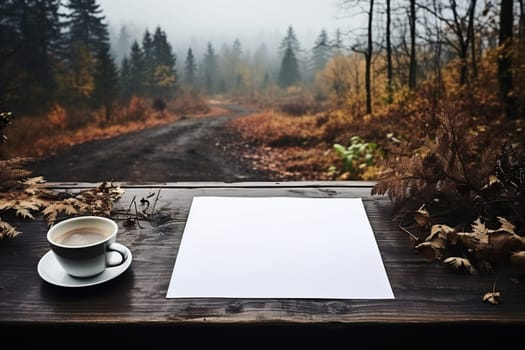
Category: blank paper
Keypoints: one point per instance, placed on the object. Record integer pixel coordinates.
(278, 247)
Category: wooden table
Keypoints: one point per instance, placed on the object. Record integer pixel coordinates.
(432, 304)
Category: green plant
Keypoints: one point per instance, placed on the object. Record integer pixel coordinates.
(357, 156)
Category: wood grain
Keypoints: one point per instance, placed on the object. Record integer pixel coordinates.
(428, 296)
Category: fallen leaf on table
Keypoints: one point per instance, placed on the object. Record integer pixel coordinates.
(492, 297)
(462, 264)
(422, 217)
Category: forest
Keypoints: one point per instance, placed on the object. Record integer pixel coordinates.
(427, 99)
(59, 70)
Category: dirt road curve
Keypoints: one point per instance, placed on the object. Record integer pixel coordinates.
(193, 149)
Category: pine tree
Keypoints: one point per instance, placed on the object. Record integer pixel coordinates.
(136, 63)
(337, 43)
(236, 78)
(162, 51)
(290, 41)
(123, 43)
(106, 81)
(210, 69)
(164, 60)
(148, 63)
(29, 36)
(86, 26)
(190, 69)
(82, 68)
(321, 51)
(237, 49)
(125, 78)
(87, 35)
(289, 73)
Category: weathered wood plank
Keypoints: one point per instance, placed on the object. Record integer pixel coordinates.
(426, 293)
(210, 184)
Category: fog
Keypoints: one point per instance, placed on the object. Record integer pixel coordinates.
(194, 23)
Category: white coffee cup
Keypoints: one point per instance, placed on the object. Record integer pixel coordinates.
(85, 246)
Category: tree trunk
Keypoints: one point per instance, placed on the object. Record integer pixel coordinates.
(413, 63)
(506, 85)
(472, 40)
(462, 42)
(390, 83)
(522, 20)
(368, 61)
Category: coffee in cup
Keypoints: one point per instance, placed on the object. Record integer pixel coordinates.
(85, 246)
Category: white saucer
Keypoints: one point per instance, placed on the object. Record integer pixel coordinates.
(51, 271)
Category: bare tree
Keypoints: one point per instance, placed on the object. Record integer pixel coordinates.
(389, 68)
(459, 21)
(413, 60)
(506, 86)
(368, 60)
(367, 51)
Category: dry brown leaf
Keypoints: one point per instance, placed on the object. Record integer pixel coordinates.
(432, 250)
(7, 204)
(34, 180)
(491, 245)
(506, 225)
(462, 264)
(434, 246)
(27, 203)
(26, 195)
(25, 213)
(493, 298)
(422, 217)
(441, 231)
(53, 210)
(480, 231)
(6, 230)
(502, 243)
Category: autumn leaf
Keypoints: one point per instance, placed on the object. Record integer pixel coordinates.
(7, 204)
(493, 298)
(34, 181)
(443, 232)
(6, 230)
(461, 264)
(422, 217)
(506, 225)
(25, 213)
(432, 250)
(439, 239)
(491, 245)
(28, 195)
(479, 231)
(52, 211)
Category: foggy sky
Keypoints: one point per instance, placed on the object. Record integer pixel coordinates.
(222, 21)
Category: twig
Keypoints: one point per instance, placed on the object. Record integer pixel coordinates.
(131, 203)
(155, 203)
(137, 215)
(410, 233)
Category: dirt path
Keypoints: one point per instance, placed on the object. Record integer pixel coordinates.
(194, 149)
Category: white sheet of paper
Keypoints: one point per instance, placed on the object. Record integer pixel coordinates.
(278, 247)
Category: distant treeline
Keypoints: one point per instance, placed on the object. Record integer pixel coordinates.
(57, 52)
(53, 53)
